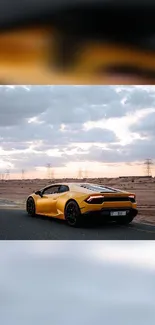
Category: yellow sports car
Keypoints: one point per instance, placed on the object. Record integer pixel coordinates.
(74, 202)
(77, 42)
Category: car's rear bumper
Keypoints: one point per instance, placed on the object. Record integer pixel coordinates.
(105, 214)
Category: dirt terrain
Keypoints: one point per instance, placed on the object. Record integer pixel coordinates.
(13, 193)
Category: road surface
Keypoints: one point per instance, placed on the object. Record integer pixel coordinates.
(17, 225)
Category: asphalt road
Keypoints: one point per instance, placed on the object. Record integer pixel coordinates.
(17, 225)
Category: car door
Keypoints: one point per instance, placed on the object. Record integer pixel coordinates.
(54, 198)
(47, 204)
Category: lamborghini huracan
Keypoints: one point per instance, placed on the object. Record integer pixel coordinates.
(77, 42)
(75, 202)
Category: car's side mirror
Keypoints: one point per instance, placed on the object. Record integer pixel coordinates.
(39, 193)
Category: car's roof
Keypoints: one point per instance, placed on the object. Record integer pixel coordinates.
(87, 187)
(90, 187)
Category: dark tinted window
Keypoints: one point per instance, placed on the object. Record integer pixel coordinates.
(63, 188)
(51, 190)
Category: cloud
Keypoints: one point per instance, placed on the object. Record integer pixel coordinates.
(141, 97)
(18, 104)
(146, 126)
(59, 104)
(63, 278)
(39, 123)
(139, 150)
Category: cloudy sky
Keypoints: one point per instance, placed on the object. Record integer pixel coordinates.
(85, 283)
(104, 130)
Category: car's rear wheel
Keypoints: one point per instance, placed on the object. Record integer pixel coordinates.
(30, 206)
(73, 214)
(124, 220)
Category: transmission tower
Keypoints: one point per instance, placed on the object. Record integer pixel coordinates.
(80, 174)
(48, 166)
(50, 172)
(85, 173)
(148, 163)
(2, 176)
(23, 174)
(7, 174)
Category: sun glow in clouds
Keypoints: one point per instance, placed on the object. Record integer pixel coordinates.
(35, 120)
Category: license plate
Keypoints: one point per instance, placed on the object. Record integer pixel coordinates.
(118, 213)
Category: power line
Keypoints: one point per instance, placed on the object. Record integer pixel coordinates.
(148, 163)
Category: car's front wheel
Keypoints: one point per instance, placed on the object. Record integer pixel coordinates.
(73, 214)
(30, 207)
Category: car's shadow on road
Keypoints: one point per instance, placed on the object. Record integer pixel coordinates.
(91, 224)
(98, 224)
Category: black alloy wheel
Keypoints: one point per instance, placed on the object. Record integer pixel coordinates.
(30, 206)
(73, 214)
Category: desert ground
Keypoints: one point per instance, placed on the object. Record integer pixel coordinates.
(13, 193)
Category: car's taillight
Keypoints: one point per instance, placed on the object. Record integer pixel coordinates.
(132, 198)
(95, 199)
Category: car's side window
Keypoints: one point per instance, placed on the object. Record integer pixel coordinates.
(63, 189)
(51, 190)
